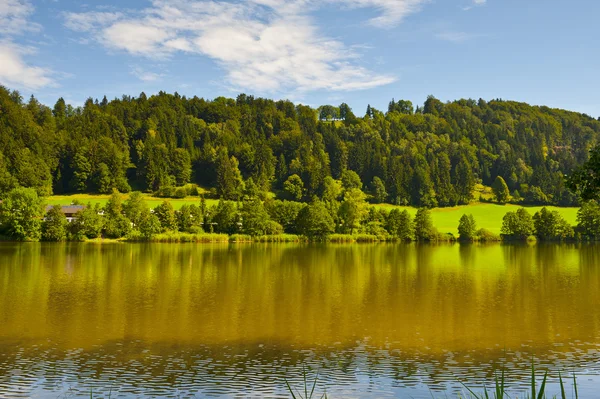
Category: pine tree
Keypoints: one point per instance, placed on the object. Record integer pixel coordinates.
(500, 190)
(424, 230)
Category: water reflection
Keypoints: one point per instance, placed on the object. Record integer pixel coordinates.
(221, 320)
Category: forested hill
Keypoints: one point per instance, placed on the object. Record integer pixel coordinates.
(429, 156)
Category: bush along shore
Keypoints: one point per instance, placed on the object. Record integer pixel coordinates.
(23, 217)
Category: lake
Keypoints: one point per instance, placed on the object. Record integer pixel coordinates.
(375, 321)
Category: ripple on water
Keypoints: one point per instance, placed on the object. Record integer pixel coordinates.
(230, 371)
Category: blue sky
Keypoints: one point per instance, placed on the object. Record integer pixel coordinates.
(311, 51)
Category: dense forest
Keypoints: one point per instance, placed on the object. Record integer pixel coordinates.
(431, 155)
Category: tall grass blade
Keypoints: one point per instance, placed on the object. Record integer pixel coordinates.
(575, 386)
(470, 391)
(497, 386)
(532, 379)
(563, 395)
(305, 382)
(312, 391)
(290, 389)
(500, 385)
(543, 387)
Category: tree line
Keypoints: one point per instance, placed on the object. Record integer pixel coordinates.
(23, 217)
(428, 156)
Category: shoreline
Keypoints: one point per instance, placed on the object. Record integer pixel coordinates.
(291, 239)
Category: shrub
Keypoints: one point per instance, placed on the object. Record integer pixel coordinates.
(180, 192)
(484, 235)
(240, 238)
(192, 190)
(366, 238)
(443, 237)
(340, 238)
(165, 192)
(273, 228)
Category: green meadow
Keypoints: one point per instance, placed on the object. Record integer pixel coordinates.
(102, 199)
(488, 216)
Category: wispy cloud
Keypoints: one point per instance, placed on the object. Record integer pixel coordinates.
(86, 22)
(14, 70)
(392, 12)
(144, 75)
(14, 16)
(475, 3)
(263, 45)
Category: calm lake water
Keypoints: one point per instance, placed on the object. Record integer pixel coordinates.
(376, 321)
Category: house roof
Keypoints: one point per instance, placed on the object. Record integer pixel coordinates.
(68, 209)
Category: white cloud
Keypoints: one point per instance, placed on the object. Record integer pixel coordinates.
(15, 72)
(137, 38)
(145, 76)
(14, 17)
(263, 45)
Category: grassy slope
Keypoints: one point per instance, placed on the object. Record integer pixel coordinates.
(488, 216)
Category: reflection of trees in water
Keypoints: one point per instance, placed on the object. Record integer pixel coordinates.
(416, 311)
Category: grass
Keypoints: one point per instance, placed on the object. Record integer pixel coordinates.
(349, 238)
(153, 202)
(279, 238)
(488, 216)
(177, 237)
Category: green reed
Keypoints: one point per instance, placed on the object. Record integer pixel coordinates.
(536, 392)
(308, 394)
(499, 390)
